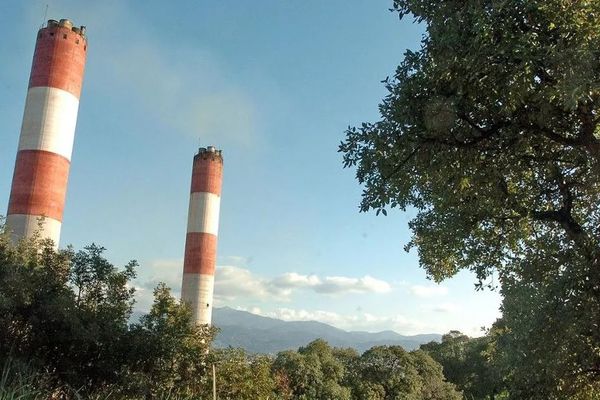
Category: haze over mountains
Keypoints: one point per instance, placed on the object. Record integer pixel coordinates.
(258, 334)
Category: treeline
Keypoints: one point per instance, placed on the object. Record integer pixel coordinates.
(318, 371)
(65, 332)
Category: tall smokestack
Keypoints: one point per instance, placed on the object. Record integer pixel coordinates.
(41, 173)
(201, 240)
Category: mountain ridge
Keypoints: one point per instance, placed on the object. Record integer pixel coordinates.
(260, 334)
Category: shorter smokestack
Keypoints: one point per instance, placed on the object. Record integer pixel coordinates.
(202, 230)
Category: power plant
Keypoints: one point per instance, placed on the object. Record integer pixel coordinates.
(41, 173)
(202, 232)
(39, 184)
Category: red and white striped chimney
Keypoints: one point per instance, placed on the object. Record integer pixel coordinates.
(41, 173)
(202, 229)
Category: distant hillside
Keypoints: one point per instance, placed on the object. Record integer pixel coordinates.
(259, 334)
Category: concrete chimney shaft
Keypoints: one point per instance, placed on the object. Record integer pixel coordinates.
(202, 232)
(41, 172)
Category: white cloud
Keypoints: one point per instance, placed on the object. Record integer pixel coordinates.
(167, 271)
(363, 321)
(332, 284)
(236, 285)
(341, 284)
(233, 282)
(357, 321)
(234, 260)
(191, 97)
(151, 274)
(428, 291)
(328, 317)
(294, 280)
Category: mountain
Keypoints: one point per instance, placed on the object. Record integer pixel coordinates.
(259, 334)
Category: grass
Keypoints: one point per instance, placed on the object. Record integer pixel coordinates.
(16, 383)
(19, 382)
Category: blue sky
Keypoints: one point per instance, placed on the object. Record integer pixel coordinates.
(274, 84)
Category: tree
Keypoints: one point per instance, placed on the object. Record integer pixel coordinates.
(166, 353)
(470, 363)
(312, 372)
(349, 358)
(241, 376)
(390, 372)
(452, 354)
(66, 312)
(65, 316)
(490, 131)
(433, 383)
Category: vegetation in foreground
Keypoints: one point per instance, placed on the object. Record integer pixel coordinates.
(65, 333)
(64, 316)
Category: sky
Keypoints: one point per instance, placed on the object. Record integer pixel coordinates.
(274, 84)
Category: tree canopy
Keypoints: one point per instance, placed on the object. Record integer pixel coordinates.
(390, 372)
(318, 371)
(65, 315)
(490, 132)
(474, 365)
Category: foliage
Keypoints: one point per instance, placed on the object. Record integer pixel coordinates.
(65, 314)
(241, 376)
(66, 334)
(318, 371)
(390, 372)
(472, 364)
(166, 352)
(313, 372)
(65, 318)
(490, 131)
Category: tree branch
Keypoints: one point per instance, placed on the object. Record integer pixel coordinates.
(398, 167)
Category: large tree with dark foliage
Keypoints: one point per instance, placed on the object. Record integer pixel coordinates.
(490, 131)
